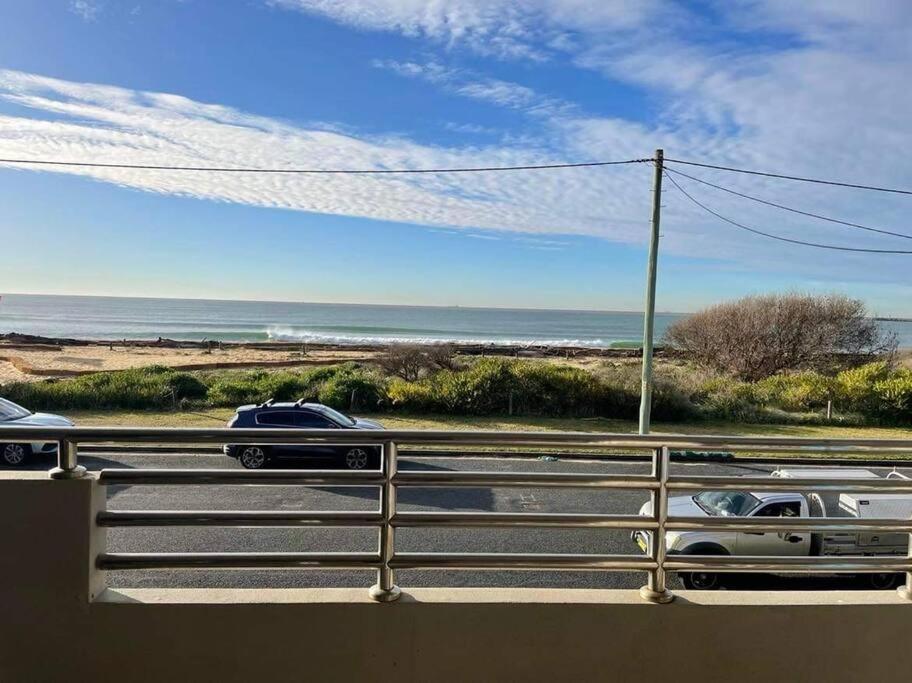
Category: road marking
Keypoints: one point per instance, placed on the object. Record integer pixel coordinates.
(528, 501)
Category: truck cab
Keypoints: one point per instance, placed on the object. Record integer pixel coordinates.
(734, 504)
(750, 503)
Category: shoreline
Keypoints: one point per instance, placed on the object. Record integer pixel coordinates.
(15, 340)
(33, 358)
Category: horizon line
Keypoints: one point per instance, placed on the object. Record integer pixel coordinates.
(338, 303)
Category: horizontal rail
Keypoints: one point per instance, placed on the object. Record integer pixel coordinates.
(783, 524)
(713, 483)
(429, 437)
(439, 452)
(803, 565)
(523, 479)
(509, 561)
(386, 560)
(522, 519)
(237, 518)
(163, 477)
(114, 561)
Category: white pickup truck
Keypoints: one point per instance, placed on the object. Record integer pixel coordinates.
(751, 503)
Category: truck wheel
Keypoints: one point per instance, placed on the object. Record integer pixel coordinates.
(701, 581)
(882, 582)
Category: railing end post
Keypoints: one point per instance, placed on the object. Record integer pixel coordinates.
(77, 472)
(67, 459)
(382, 595)
(662, 597)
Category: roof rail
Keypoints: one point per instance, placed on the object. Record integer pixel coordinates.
(268, 402)
(300, 402)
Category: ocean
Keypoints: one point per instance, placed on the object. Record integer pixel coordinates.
(106, 318)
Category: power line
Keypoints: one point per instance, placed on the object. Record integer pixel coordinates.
(314, 171)
(792, 177)
(789, 208)
(779, 237)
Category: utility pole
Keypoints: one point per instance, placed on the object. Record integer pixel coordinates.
(649, 321)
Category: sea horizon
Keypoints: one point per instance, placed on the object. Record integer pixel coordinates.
(134, 318)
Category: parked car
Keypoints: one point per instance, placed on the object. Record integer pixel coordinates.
(16, 453)
(752, 503)
(301, 415)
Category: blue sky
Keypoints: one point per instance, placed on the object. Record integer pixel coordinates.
(812, 89)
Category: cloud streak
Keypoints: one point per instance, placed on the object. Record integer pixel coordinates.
(115, 125)
(819, 93)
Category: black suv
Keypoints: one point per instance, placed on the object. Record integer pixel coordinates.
(301, 415)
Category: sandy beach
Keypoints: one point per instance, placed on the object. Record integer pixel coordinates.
(24, 363)
(24, 359)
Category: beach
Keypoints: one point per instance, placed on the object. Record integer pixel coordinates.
(24, 359)
(64, 336)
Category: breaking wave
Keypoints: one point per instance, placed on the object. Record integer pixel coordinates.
(290, 334)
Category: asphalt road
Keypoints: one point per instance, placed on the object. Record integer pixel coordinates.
(211, 539)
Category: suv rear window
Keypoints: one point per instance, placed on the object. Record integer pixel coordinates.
(277, 418)
(305, 418)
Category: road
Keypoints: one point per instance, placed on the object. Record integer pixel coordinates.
(211, 539)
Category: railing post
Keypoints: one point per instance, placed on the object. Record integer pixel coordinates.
(67, 465)
(906, 590)
(386, 590)
(655, 589)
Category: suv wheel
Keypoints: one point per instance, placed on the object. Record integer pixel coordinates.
(14, 454)
(253, 457)
(356, 459)
(701, 581)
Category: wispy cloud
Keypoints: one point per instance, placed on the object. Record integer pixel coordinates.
(468, 83)
(87, 9)
(470, 128)
(531, 29)
(110, 124)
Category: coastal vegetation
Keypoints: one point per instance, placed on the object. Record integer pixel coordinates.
(874, 393)
(778, 359)
(758, 336)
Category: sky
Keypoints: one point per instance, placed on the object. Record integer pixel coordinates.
(817, 88)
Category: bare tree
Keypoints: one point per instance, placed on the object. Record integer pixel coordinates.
(758, 336)
(441, 357)
(403, 360)
(411, 361)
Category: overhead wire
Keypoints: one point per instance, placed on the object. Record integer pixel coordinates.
(779, 237)
(803, 179)
(315, 171)
(788, 208)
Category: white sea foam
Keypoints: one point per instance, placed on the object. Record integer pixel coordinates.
(278, 333)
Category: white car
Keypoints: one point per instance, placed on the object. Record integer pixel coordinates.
(14, 454)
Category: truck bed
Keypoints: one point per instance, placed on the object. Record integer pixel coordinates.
(869, 506)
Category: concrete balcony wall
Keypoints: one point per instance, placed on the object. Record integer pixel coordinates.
(59, 624)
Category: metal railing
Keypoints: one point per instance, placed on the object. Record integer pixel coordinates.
(656, 562)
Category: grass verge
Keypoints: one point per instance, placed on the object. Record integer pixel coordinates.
(217, 417)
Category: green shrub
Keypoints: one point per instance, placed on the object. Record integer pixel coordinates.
(671, 399)
(487, 386)
(353, 390)
(256, 386)
(136, 388)
(855, 387)
(800, 391)
(894, 396)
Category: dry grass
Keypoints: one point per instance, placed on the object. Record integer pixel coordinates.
(215, 417)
